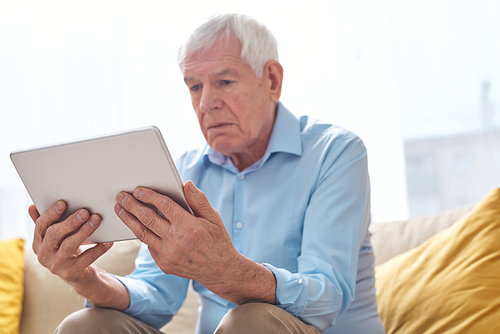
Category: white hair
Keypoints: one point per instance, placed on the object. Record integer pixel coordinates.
(258, 44)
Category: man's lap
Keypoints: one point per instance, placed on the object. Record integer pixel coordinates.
(247, 318)
(103, 321)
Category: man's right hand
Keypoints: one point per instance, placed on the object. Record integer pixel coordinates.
(58, 247)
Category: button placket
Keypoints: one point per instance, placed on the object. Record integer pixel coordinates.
(238, 211)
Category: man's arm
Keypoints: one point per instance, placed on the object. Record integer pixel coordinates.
(57, 245)
(214, 262)
(335, 226)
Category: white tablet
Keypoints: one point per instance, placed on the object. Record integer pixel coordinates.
(89, 173)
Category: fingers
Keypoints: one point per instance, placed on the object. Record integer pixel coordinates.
(199, 203)
(50, 234)
(42, 223)
(64, 238)
(57, 243)
(59, 249)
(52, 215)
(56, 233)
(149, 225)
(72, 269)
(73, 232)
(146, 224)
(90, 255)
(164, 204)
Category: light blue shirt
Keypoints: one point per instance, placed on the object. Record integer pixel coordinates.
(302, 210)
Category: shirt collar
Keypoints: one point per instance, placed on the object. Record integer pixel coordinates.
(286, 133)
(285, 138)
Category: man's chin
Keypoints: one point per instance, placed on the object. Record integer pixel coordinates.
(224, 146)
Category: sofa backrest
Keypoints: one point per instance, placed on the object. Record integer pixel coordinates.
(392, 238)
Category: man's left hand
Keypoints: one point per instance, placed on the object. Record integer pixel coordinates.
(196, 247)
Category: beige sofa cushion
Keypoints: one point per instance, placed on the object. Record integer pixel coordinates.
(392, 238)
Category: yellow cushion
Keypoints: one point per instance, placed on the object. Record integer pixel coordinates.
(450, 283)
(11, 284)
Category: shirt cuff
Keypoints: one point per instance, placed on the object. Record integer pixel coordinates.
(291, 292)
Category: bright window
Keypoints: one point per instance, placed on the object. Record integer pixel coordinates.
(400, 74)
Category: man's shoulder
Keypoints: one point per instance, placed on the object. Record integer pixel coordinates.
(191, 157)
(329, 146)
(312, 128)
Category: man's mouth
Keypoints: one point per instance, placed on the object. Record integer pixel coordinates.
(217, 126)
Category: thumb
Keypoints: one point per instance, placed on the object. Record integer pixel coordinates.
(199, 203)
(33, 212)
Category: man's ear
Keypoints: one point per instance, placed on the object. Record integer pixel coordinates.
(273, 71)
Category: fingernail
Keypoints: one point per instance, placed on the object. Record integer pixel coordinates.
(192, 188)
(93, 221)
(120, 198)
(138, 192)
(118, 209)
(81, 215)
(58, 207)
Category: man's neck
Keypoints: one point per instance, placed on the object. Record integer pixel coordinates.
(242, 160)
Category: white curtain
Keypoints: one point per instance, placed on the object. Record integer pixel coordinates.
(73, 69)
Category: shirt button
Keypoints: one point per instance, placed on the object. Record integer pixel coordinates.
(241, 176)
(239, 225)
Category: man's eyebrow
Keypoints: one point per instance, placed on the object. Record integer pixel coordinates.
(218, 74)
(227, 72)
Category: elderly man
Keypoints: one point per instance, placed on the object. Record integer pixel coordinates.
(279, 242)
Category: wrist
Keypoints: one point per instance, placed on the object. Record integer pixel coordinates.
(102, 289)
(246, 281)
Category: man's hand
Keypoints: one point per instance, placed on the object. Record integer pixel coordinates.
(196, 247)
(57, 245)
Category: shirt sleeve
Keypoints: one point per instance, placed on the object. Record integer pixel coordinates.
(335, 225)
(155, 297)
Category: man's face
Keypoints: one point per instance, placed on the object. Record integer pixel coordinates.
(234, 107)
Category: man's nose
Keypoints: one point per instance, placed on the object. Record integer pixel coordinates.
(210, 100)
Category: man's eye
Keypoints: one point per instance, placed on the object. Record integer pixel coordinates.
(195, 88)
(225, 82)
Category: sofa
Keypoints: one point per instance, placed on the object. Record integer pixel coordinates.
(398, 246)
